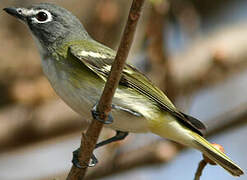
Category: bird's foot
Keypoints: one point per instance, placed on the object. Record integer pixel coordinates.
(96, 115)
(76, 161)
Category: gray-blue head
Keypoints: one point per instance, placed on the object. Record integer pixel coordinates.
(50, 23)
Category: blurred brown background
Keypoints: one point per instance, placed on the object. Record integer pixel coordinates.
(196, 51)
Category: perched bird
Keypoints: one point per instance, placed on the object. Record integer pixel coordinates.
(77, 67)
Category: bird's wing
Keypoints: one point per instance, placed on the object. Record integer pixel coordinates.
(99, 58)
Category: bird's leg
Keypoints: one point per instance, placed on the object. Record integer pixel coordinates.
(119, 136)
(96, 115)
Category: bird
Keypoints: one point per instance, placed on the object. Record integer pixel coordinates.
(77, 68)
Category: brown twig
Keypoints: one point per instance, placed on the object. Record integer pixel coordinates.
(209, 60)
(229, 120)
(157, 51)
(89, 139)
(23, 125)
(202, 164)
(206, 160)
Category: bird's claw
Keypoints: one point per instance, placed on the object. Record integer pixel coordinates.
(76, 161)
(96, 115)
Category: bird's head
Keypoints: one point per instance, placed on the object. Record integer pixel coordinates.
(50, 24)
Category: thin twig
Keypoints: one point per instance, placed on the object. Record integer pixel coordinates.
(202, 164)
(157, 50)
(89, 139)
(236, 117)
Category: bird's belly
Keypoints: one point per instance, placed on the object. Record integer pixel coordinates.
(82, 98)
(79, 100)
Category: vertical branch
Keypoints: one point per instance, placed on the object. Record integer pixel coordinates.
(160, 71)
(89, 139)
(202, 164)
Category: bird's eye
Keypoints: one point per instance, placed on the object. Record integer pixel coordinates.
(41, 16)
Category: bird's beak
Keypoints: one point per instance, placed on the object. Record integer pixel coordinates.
(16, 12)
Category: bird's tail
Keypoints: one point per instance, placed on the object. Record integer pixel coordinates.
(168, 127)
(215, 155)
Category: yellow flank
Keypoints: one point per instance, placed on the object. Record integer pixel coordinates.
(167, 126)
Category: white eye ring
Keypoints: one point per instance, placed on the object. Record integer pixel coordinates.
(46, 13)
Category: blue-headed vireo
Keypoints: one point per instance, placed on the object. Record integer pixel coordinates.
(77, 68)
